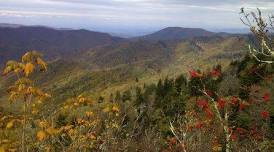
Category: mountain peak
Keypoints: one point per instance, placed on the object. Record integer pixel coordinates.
(176, 33)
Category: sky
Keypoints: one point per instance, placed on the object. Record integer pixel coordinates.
(130, 16)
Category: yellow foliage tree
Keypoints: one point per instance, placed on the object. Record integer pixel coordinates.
(23, 88)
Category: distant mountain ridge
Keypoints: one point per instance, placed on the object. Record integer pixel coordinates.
(10, 25)
(100, 49)
(86, 61)
(176, 33)
(52, 42)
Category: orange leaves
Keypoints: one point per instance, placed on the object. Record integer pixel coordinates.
(43, 124)
(10, 124)
(46, 130)
(89, 113)
(80, 121)
(24, 87)
(30, 64)
(41, 135)
(217, 148)
(29, 68)
(80, 100)
(106, 109)
(13, 96)
(13, 66)
(30, 56)
(115, 108)
(92, 136)
(66, 129)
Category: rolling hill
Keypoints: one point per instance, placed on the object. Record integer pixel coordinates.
(147, 54)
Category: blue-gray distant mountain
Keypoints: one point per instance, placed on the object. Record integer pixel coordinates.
(176, 33)
(16, 40)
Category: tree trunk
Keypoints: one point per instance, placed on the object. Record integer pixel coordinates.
(227, 134)
(227, 140)
(24, 128)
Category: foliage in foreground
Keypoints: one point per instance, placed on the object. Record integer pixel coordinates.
(216, 110)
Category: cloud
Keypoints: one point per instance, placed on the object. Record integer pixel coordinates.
(133, 13)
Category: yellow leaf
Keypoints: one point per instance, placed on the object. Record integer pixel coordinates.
(26, 57)
(31, 90)
(41, 135)
(30, 56)
(47, 95)
(13, 96)
(115, 125)
(68, 127)
(7, 70)
(106, 109)
(41, 63)
(17, 70)
(2, 149)
(34, 111)
(43, 124)
(72, 132)
(91, 136)
(11, 66)
(89, 113)
(10, 124)
(52, 131)
(115, 108)
(81, 100)
(217, 148)
(29, 69)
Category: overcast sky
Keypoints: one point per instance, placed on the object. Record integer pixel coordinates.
(128, 15)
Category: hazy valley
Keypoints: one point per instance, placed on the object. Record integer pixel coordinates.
(80, 55)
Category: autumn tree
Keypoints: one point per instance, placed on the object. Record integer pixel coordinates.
(24, 89)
